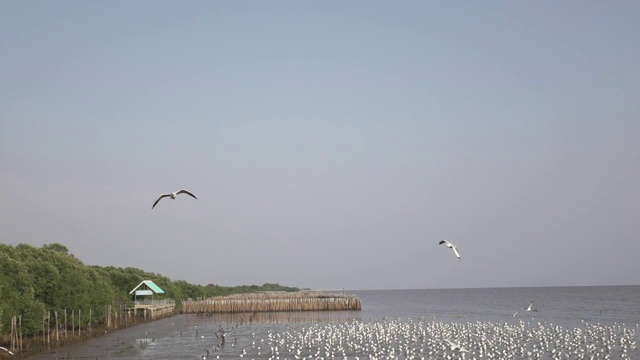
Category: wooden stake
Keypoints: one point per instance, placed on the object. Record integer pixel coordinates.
(57, 331)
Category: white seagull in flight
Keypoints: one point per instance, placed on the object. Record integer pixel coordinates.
(456, 346)
(530, 308)
(173, 196)
(451, 246)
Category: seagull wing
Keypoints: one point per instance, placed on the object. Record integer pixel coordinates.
(451, 343)
(455, 251)
(530, 305)
(186, 192)
(445, 243)
(161, 196)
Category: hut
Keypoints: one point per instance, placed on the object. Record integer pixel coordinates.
(146, 288)
(150, 307)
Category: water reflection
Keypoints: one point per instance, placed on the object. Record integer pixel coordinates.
(277, 317)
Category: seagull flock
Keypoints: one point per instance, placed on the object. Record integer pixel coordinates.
(423, 339)
(408, 340)
(175, 194)
(446, 243)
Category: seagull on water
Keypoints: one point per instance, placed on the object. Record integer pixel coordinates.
(451, 246)
(173, 196)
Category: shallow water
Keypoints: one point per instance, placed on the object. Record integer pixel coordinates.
(404, 323)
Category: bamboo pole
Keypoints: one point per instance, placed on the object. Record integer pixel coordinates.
(20, 324)
(57, 331)
(12, 334)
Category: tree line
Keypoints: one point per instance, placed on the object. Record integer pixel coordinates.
(34, 281)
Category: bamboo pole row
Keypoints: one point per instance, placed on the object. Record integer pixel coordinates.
(273, 302)
(55, 332)
(15, 337)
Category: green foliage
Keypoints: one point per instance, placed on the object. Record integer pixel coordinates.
(56, 247)
(34, 281)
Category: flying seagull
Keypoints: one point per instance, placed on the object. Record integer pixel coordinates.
(173, 196)
(530, 308)
(456, 346)
(451, 246)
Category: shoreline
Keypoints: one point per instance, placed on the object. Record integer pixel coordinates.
(37, 345)
(237, 304)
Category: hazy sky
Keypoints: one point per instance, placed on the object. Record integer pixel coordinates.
(330, 144)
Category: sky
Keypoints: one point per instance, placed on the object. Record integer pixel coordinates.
(331, 145)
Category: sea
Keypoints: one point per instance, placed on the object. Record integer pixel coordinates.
(596, 322)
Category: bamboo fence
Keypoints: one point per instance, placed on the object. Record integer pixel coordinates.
(272, 302)
(62, 328)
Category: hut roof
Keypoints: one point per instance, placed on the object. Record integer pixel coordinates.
(151, 285)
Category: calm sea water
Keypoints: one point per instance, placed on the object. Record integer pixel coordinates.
(565, 306)
(189, 336)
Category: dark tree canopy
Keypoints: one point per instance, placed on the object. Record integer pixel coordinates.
(34, 281)
(56, 247)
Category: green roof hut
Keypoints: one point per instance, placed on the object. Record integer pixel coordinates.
(146, 288)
